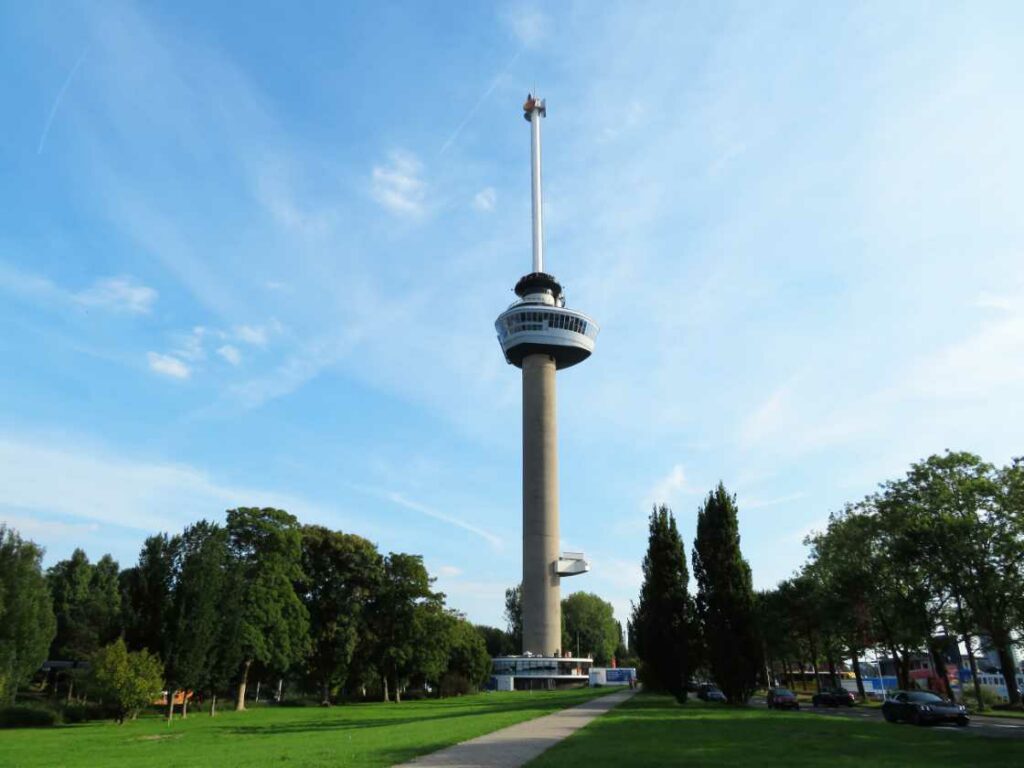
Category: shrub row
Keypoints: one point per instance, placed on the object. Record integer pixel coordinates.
(40, 716)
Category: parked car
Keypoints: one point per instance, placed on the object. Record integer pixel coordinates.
(922, 707)
(833, 697)
(708, 692)
(782, 698)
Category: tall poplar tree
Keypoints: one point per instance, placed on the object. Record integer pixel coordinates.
(662, 625)
(725, 598)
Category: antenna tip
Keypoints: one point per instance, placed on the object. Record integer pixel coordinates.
(533, 104)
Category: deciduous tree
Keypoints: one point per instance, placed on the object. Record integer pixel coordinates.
(27, 623)
(342, 573)
(590, 625)
(271, 625)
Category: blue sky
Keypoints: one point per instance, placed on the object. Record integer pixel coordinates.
(255, 259)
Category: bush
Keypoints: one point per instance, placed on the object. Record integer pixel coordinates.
(84, 713)
(991, 699)
(454, 684)
(129, 681)
(26, 717)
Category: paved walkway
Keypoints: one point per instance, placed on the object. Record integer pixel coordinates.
(518, 744)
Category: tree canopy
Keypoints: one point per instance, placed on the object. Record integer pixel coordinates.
(27, 623)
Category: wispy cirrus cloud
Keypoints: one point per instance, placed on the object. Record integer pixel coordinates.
(122, 293)
(91, 485)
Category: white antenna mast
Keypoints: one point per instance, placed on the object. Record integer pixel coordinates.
(533, 110)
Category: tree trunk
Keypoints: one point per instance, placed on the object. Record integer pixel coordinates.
(1009, 673)
(71, 687)
(384, 682)
(858, 676)
(213, 705)
(325, 693)
(812, 647)
(903, 668)
(184, 706)
(240, 702)
(170, 705)
(398, 692)
(833, 678)
(258, 683)
(280, 687)
(974, 670)
(940, 669)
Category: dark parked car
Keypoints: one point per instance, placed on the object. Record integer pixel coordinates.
(782, 698)
(833, 697)
(708, 692)
(922, 707)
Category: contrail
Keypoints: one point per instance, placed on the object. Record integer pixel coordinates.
(415, 506)
(481, 100)
(56, 102)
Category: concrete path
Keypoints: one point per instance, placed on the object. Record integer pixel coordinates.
(518, 744)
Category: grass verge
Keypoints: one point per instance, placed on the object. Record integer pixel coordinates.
(351, 735)
(651, 730)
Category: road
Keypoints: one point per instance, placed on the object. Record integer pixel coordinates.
(984, 726)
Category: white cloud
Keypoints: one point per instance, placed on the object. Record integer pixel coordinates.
(670, 486)
(119, 294)
(397, 186)
(992, 301)
(528, 24)
(251, 334)
(230, 353)
(485, 199)
(449, 570)
(168, 365)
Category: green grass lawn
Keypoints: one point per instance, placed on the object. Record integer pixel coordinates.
(350, 735)
(651, 730)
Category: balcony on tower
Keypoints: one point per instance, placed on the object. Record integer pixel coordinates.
(572, 564)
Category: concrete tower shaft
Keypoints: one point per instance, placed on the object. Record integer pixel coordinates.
(542, 595)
